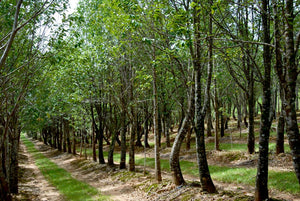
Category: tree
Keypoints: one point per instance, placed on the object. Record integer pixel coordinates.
(261, 187)
(200, 108)
(287, 74)
(18, 65)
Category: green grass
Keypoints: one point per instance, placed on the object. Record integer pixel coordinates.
(282, 181)
(242, 147)
(70, 188)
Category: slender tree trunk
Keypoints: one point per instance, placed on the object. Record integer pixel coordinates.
(74, 140)
(156, 124)
(292, 129)
(132, 148)
(100, 145)
(123, 140)
(139, 135)
(175, 152)
(280, 134)
(217, 141)
(205, 179)
(261, 188)
(251, 104)
(4, 188)
(60, 135)
(209, 121)
(222, 124)
(200, 111)
(159, 126)
(14, 165)
(146, 128)
(288, 78)
(64, 134)
(12, 154)
(233, 112)
(167, 127)
(94, 141)
(110, 159)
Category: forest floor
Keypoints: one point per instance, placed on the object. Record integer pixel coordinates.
(123, 185)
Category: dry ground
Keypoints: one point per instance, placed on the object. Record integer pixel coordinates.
(122, 185)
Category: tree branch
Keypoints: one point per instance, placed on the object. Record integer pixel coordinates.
(12, 35)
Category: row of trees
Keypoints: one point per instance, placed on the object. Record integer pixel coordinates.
(118, 68)
(21, 57)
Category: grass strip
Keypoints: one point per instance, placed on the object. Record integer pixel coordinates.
(282, 181)
(242, 147)
(71, 188)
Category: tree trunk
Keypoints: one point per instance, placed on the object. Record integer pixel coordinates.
(167, 128)
(156, 124)
(99, 131)
(64, 134)
(261, 187)
(94, 141)
(205, 179)
(280, 134)
(13, 169)
(222, 124)
(110, 159)
(288, 78)
(139, 135)
(131, 148)
(292, 129)
(209, 121)
(146, 128)
(217, 141)
(251, 104)
(74, 140)
(123, 140)
(175, 152)
(159, 123)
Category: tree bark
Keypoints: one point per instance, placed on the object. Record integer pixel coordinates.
(13, 169)
(251, 104)
(123, 140)
(209, 121)
(156, 124)
(132, 148)
(200, 111)
(110, 159)
(217, 141)
(94, 141)
(261, 187)
(175, 152)
(280, 134)
(288, 77)
(292, 129)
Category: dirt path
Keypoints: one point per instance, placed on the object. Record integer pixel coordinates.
(32, 183)
(96, 175)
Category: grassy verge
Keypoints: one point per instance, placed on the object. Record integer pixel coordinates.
(70, 188)
(243, 147)
(282, 181)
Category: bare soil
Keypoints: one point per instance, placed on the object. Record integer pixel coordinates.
(32, 183)
(123, 185)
